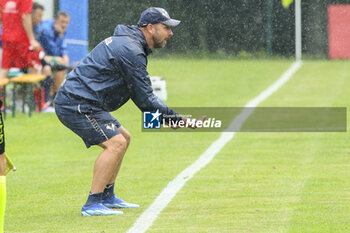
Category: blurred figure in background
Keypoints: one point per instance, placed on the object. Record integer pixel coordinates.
(0, 42)
(37, 15)
(18, 39)
(51, 35)
(18, 43)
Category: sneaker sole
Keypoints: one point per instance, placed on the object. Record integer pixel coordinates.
(95, 213)
(120, 206)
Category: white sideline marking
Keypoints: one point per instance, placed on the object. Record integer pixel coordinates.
(147, 218)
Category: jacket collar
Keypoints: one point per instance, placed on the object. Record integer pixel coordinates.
(147, 49)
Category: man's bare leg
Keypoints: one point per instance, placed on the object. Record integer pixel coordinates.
(108, 198)
(126, 135)
(107, 162)
(105, 165)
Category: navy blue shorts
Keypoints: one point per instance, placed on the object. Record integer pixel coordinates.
(94, 127)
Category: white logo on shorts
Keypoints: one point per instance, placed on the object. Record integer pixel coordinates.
(110, 126)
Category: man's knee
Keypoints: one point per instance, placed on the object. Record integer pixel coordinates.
(116, 144)
(127, 137)
(125, 134)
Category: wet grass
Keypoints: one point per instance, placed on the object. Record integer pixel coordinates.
(260, 182)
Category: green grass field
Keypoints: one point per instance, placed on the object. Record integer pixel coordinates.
(259, 182)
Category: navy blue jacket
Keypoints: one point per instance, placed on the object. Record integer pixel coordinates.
(112, 73)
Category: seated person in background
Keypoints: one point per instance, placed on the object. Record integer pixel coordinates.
(51, 35)
(37, 16)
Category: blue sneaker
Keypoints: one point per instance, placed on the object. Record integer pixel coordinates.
(98, 209)
(115, 202)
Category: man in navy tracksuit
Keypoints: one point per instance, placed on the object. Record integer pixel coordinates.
(112, 73)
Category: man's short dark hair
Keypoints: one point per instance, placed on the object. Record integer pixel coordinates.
(61, 13)
(37, 6)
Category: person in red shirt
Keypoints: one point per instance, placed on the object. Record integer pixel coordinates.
(18, 39)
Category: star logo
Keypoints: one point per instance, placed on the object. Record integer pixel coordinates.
(151, 120)
(156, 115)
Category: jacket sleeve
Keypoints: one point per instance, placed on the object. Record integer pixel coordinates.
(63, 47)
(133, 70)
(43, 38)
